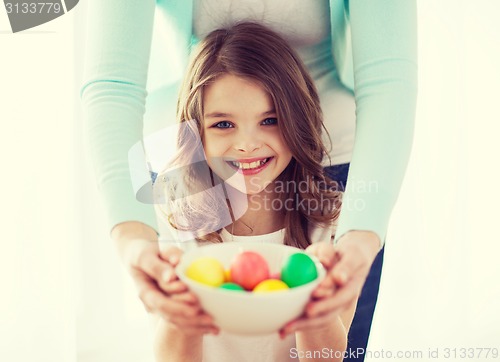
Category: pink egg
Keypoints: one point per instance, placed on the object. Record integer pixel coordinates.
(248, 269)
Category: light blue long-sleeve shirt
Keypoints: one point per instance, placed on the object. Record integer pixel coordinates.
(373, 46)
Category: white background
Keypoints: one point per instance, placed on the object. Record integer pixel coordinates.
(64, 295)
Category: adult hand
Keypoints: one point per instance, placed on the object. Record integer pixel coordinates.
(348, 264)
(158, 287)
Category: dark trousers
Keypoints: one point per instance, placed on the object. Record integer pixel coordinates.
(360, 328)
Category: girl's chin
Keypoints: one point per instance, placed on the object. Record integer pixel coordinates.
(247, 189)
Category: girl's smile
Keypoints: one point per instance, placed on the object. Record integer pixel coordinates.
(250, 166)
(241, 134)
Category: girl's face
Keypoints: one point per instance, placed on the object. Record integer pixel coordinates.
(242, 142)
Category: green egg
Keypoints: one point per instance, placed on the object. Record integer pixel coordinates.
(298, 269)
(232, 286)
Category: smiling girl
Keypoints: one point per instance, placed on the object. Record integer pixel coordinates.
(249, 99)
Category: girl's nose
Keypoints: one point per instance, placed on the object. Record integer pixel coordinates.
(247, 142)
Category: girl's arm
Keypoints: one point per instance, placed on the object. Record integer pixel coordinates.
(175, 346)
(113, 97)
(384, 49)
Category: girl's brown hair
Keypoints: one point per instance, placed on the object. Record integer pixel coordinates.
(254, 52)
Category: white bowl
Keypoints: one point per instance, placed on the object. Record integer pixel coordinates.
(249, 313)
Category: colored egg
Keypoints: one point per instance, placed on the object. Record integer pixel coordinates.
(270, 285)
(298, 269)
(232, 286)
(206, 270)
(227, 275)
(248, 269)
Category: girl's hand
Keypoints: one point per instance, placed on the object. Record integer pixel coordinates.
(347, 264)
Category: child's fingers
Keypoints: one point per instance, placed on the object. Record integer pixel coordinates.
(326, 287)
(204, 330)
(185, 298)
(156, 302)
(174, 287)
(323, 291)
(336, 302)
(201, 320)
(200, 330)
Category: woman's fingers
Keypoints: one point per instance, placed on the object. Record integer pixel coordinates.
(171, 254)
(325, 253)
(200, 320)
(161, 270)
(161, 292)
(338, 301)
(180, 308)
(156, 302)
(356, 251)
(324, 290)
(198, 330)
(346, 267)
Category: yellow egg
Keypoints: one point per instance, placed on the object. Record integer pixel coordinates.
(270, 285)
(206, 270)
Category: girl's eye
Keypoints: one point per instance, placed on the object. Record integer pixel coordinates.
(270, 121)
(222, 124)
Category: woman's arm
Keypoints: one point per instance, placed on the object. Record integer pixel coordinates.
(384, 49)
(113, 97)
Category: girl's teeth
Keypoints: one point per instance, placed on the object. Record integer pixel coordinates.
(247, 166)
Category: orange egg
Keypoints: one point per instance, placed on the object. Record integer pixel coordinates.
(227, 275)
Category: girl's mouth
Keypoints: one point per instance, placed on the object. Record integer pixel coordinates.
(249, 168)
